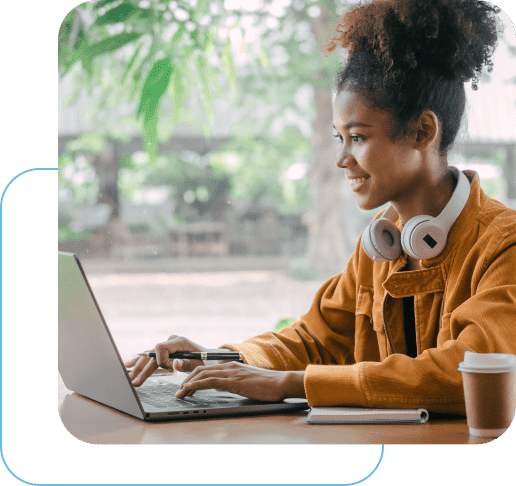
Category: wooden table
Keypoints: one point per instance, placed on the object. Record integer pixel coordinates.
(95, 423)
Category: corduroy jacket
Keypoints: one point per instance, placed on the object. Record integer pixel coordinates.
(351, 343)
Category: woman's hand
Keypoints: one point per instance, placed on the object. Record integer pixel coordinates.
(143, 366)
(248, 381)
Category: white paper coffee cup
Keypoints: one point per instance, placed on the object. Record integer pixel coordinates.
(490, 392)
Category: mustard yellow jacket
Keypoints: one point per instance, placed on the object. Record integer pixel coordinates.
(351, 343)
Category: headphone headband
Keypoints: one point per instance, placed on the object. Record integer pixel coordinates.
(456, 203)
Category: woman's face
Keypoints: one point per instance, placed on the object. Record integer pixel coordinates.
(380, 170)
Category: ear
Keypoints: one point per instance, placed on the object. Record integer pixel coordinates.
(427, 130)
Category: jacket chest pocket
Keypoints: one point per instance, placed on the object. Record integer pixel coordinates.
(444, 330)
(364, 305)
(379, 328)
(369, 327)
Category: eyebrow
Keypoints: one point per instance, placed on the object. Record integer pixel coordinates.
(353, 125)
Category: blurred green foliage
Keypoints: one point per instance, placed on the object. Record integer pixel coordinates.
(251, 171)
(140, 53)
(196, 188)
(165, 62)
(77, 183)
(66, 234)
(283, 323)
(171, 59)
(259, 169)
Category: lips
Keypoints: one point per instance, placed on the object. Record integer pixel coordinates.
(357, 182)
(358, 176)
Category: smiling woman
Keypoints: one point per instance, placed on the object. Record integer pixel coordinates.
(430, 280)
(372, 159)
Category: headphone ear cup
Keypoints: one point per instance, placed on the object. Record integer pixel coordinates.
(422, 239)
(407, 232)
(381, 240)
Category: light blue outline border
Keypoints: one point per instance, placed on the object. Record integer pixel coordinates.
(1, 373)
(347, 484)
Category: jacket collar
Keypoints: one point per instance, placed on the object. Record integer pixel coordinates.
(476, 200)
(431, 276)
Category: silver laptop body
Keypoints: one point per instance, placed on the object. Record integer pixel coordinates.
(89, 364)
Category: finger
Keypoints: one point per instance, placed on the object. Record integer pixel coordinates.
(161, 371)
(206, 370)
(174, 344)
(205, 384)
(187, 365)
(139, 366)
(131, 362)
(162, 352)
(150, 368)
(202, 373)
(192, 375)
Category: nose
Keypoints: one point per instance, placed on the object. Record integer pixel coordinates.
(344, 158)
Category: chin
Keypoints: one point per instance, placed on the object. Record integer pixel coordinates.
(367, 205)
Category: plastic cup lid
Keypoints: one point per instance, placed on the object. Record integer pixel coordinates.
(488, 363)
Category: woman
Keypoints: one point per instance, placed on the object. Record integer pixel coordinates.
(390, 332)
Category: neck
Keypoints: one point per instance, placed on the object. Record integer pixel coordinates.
(430, 194)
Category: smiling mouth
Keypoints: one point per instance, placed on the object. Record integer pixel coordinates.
(357, 183)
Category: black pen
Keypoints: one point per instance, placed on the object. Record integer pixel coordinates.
(227, 356)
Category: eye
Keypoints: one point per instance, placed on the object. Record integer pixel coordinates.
(357, 138)
(339, 136)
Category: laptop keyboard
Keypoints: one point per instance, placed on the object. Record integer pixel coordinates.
(162, 395)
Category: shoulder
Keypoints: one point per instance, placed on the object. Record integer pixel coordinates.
(498, 222)
(488, 224)
(498, 218)
(496, 233)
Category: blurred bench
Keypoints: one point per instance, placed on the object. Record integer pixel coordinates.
(197, 239)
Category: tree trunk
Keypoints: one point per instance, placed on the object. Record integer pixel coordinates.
(332, 218)
(510, 171)
(106, 165)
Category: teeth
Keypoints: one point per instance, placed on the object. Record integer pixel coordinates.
(357, 182)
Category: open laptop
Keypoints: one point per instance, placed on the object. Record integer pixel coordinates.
(89, 364)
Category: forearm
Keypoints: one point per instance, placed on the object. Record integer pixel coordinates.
(430, 381)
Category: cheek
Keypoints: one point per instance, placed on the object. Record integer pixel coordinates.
(363, 157)
(367, 158)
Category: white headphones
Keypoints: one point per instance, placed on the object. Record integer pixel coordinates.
(423, 237)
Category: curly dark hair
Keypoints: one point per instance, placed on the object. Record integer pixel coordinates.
(408, 56)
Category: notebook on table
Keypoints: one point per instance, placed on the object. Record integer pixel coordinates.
(349, 415)
(90, 364)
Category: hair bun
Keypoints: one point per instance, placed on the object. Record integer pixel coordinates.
(453, 37)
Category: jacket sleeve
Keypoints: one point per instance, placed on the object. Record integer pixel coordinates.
(324, 336)
(484, 323)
